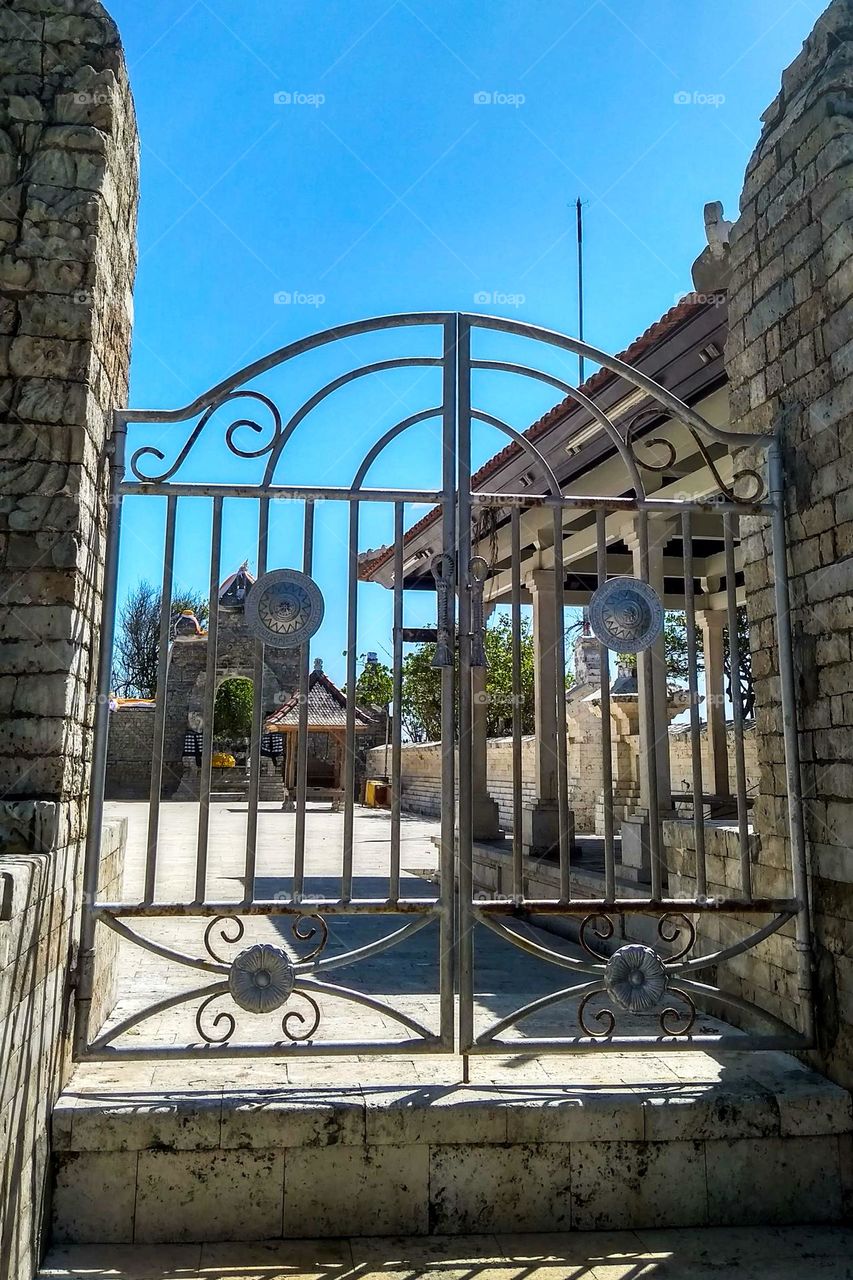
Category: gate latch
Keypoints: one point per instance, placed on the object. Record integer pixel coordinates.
(442, 571)
(479, 570)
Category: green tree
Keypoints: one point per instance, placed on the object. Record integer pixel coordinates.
(420, 707)
(675, 640)
(232, 709)
(375, 684)
(421, 702)
(137, 644)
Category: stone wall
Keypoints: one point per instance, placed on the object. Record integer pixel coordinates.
(790, 365)
(39, 923)
(130, 748)
(421, 773)
(68, 182)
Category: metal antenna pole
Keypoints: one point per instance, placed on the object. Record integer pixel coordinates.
(579, 207)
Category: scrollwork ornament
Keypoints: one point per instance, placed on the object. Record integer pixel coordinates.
(727, 491)
(150, 451)
(304, 928)
(221, 923)
(603, 1016)
(670, 1027)
(635, 444)
(294, 1019)
(261, 978)
(635, 978)
(223, 1017)
(602, 927)
(670, 932)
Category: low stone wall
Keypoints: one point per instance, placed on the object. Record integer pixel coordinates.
(765, 975)
(39, 929)
(421, 773)
(131, 745)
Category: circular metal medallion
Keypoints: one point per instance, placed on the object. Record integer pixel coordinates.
(284, 608)
(626, 615)
(635, 978)
(261, 978)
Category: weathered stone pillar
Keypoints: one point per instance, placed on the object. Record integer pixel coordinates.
(713, 623)
(790, 366)
(68, 192)
(540, 819)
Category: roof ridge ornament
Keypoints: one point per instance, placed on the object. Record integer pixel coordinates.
(712, 269)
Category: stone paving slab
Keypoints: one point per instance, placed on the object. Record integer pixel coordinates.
(790, 1253)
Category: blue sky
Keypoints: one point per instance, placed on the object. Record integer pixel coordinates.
(385, 183)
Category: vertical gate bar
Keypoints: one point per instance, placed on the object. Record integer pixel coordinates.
(349, 752)
(565, 843)
(160, 704)
(693, 687)
(515, 557)
(466, 941)
(209, 703)
(257, 720)
(796, 825)
(397, 694)
(606, 728)
(448, 935)
(101, 728)
(655, 851)
(302, 731)
(737, 705)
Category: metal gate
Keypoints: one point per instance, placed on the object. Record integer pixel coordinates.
(258, 970)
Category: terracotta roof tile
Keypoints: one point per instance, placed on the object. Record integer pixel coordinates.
(327, 708)
(691, 304)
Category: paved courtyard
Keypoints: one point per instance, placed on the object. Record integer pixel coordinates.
(796, 1253)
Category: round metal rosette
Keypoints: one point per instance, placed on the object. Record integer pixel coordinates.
(284, 608)
(626, 615)
(261, 978)
(635, 978)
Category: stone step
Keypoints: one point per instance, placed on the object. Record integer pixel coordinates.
(769, 1253)
(217, 1151)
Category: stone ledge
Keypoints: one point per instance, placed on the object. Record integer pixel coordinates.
(774, 1100)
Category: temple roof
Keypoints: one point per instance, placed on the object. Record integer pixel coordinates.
(327, 707)
(234, 590)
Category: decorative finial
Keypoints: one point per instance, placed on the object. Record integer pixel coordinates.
(318, 666)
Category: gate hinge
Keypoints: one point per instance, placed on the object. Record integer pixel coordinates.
(81, 962)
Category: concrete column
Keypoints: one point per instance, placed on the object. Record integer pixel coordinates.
(485, 810)
(635, 835)
(540, 820)
(712, 623)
